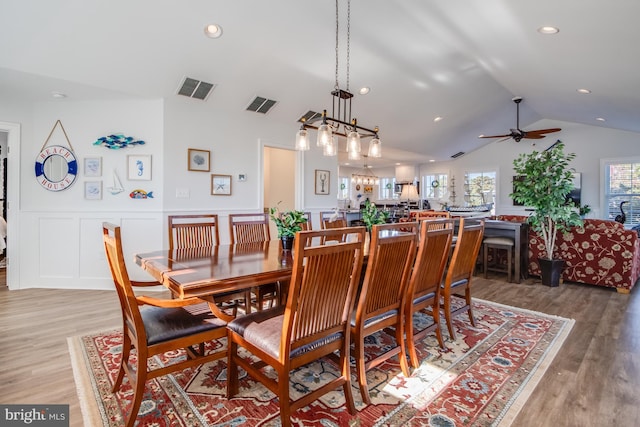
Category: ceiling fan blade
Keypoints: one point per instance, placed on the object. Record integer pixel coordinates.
(541, 131)
(495, 136)
(533, 136)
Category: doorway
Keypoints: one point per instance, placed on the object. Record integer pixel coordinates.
(279, 168)
(10, 173)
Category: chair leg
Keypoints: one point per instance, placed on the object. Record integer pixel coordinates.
(509, 261)
(447, 316)
(283, 397)
(485, 259)
(435, 313)
(411, 346)
(138, 388)
(360, 368)
(126, 350)
(346, 373)
(403, 350)
(232, 368)
(469, 310)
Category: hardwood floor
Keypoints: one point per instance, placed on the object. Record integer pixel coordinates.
(593, 381)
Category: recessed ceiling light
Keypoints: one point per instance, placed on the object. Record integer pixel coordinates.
(431, 160)
(437, 119)
(364, 90)
(58, 95)
(213, 31)
(346, 164)
(583, 91)
(601, 119)
(548, 30)
(398, 164)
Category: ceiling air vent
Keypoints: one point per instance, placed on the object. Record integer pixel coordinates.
(261, 105)
(310, 117)
(193, 88)
(458, 154)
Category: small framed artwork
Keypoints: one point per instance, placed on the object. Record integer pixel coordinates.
(139, 167)
(368, 189)
(199, 160)
(322, 181)
(93, 166)
(93, 190)
(220, 185)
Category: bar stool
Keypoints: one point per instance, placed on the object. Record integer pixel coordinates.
(498, 243)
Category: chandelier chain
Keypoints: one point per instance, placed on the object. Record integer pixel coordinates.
(348, 39)
(337, 86)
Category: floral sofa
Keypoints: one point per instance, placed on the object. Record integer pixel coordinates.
(601, 253)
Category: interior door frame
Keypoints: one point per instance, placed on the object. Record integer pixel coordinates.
(13, 202)
(299, 177)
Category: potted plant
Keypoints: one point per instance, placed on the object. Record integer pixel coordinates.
(547, 181)
(288, 224)
(371, 215)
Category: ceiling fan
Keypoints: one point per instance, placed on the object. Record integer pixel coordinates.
(517, 134)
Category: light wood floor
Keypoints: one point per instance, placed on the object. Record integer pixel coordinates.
(593, 381)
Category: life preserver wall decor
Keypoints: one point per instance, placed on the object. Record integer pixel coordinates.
(56, 166)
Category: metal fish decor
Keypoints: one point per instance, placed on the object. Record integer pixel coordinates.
(141, 194)
(117, 141)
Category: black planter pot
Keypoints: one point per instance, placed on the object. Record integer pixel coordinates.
(551, 271)
(287, 243)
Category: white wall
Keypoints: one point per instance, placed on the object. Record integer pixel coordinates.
(590, 143)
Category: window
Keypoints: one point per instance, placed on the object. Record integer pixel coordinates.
(387, 188)
(622, 184)
(480, 188)
(343, 188)
(434, 186)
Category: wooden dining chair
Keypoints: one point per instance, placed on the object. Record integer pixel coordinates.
(253, 228)
(193, 231)
(155, 326)
(381, 301)
(421, 215)
(332, 219)
(314, 322)
(460, 271)
(307, 225)
(423, 294)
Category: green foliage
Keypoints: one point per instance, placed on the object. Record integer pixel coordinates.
(287, 223)
(371, 215)
(547, 182)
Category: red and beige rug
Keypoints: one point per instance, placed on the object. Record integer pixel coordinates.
(482, 379)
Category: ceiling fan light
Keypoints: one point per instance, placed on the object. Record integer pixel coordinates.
(375, 147)
(302, 140)
(324, 135)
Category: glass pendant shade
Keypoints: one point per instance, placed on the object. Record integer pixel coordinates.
(353, 142)
(375, 147)
(353, 155)
(324, 135)
(302, 140)
(330, 149)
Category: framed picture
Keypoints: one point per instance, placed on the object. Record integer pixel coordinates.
(93, 190)
(139, 167)
(322, 181)
(93, 166)
(220, 185)
(199, 160)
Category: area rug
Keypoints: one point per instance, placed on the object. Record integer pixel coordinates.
(481, 379)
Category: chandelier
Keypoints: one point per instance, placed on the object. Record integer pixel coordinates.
(340, 122)
(365, 177)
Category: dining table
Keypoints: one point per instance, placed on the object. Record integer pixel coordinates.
(212, 271)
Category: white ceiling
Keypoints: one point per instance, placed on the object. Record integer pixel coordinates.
(461, 60)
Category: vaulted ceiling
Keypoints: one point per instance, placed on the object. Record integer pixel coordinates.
(462, 61)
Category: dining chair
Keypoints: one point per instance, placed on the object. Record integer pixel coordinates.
(333, 219)
(254, 228)
(392, 251)
(155, 326)
(193, 231)
(307, 225)
(420, 215)
(423, 294)
(314, 322)
(460, 270)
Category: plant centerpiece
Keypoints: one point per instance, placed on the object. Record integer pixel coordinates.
(288, 224)
(371, 215)
(547, 181)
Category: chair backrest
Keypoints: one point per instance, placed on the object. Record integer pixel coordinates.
(307, 225)
(128, 302)
(392, 251)
(432, 214)
(332, 216)
(193, 231)
(465, 253)
(323, 286)
(249, 228)
(431, 259)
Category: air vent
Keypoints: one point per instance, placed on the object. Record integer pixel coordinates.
(193, 88)
(458, 154)
(310, 116)
(261, 105)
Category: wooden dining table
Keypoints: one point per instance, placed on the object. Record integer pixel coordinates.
(210, 271)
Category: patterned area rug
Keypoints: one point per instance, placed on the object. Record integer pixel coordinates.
(482, 379)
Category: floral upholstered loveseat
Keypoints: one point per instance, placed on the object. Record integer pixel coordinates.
(601, 252)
